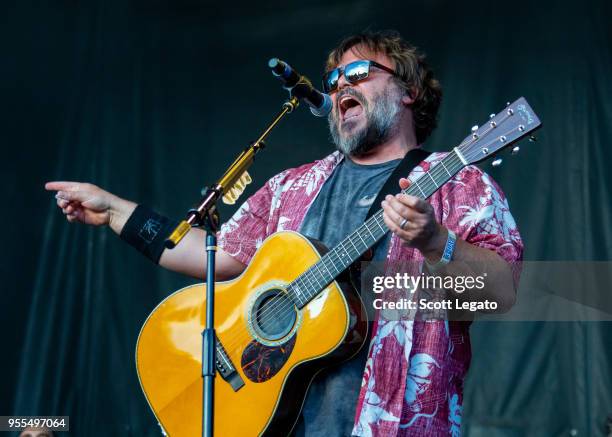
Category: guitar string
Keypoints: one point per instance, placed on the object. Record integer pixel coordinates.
(280, 303)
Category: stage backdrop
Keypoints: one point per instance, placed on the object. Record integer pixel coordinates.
(152, 99)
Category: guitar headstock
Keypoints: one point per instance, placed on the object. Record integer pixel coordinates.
(513, 123)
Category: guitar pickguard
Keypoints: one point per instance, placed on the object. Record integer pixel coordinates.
(260, 362)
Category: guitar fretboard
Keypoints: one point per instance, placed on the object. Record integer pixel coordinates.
(310, 283)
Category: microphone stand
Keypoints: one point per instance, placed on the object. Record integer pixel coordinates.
(206, 215)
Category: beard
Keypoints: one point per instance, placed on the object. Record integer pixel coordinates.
(382, 121)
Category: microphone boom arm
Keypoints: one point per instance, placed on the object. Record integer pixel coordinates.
(198, 216)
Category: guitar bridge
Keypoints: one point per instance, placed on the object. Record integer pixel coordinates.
(226, 369)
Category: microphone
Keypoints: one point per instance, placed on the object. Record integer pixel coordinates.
(299, 86)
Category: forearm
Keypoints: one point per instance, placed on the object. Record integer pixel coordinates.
(472, 261)
(120, 211)
(413, 220)
(188, 257)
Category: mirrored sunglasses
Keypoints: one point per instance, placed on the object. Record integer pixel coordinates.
(353, 72)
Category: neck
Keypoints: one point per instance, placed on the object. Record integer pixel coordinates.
(393, 149)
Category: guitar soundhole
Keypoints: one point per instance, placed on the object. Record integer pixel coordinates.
(273, 315)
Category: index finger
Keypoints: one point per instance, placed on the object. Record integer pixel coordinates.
(61, 185)
(413, 202)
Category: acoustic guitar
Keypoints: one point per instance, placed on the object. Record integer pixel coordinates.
(291, 313)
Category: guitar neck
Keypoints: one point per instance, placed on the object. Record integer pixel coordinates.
(308, 285)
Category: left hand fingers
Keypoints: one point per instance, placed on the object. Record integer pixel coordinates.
(395, 215)
(393, 225)
(413, 202)
(406, 210)
(404, 183)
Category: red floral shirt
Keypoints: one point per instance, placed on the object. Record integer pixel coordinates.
(413, 379)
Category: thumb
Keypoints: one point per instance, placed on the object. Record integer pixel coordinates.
(404, 183)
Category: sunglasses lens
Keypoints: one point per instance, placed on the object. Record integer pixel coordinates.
(330, 81)
(353, 72)
(356, 71)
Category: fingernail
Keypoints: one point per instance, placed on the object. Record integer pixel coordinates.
(59, 195)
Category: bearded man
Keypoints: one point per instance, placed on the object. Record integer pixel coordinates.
(409, 381)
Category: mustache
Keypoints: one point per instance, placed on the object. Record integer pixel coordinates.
(348, 91)
(351, 92)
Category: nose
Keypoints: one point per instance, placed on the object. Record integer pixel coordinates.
(342, 82)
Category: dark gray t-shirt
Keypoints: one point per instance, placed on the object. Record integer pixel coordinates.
(340, 208)
(344, 200)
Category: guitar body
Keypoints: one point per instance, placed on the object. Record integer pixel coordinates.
(274, 348)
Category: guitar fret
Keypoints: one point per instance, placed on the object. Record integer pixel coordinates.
(382, 228)
(444, 167)
(353, 244)
(344, 248)
(296, 292)
(317, 267)
(306, 276)
(368, 228)
(432, 179)
(306, 295)
(322, 262)
(419, 187)
(332, 261)
(364, 243)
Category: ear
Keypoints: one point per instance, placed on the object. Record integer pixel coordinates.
(407, 98)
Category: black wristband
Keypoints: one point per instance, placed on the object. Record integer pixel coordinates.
(147, 231)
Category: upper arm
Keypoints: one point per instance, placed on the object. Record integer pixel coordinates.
(227, 266)
(243, 233)
(479, 213)
(189, 258)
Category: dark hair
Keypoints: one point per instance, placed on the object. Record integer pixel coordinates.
(414, 75)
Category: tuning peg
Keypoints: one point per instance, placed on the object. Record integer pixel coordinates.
(491, 115)
(497, 162)
(474, 128)
(533, 138)
(507, 103)
(515, 150)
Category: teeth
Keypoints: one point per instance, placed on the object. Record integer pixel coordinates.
(345, 99)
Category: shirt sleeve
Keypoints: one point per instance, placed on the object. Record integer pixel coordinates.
(476, 208)
(244, 232)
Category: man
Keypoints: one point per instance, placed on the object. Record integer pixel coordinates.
(385, 105)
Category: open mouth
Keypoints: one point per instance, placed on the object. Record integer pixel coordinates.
(349, 107)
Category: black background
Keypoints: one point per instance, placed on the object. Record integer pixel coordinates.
(151, 100)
